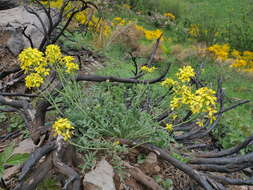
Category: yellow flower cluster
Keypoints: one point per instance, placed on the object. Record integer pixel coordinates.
(152, 34)
(241, 60)
(185, 73)
(31, 58)
(170, 15)
(37, 65)
(149, 34)
(53, 4)
(221, 52)
(199, 101)
(169, 82)
(64, 128)
(34, 80)
(148, 69)
(193, 30)
(118, 21)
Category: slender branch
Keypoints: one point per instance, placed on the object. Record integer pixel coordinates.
(96, 78)
(28, 37)
(18, 94)
(227, 152)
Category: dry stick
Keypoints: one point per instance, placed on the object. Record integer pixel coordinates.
(154, 50)
(229, 181)
(228, 168)
(28, 37)
(227, 152)
(38, 175)
(234, 106)
(96, 78)
(180, 165)
(222, 161)
(35, 157)
(215, 184)
(8, 110)
(17, 94)
(47, 12)
(33, 12)
(5, 73)
(142, 177)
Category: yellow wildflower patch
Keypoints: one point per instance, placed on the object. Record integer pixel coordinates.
(38, 66)
(202, 100)
(64, 128)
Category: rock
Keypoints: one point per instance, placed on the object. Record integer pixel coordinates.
(90, 186)
(150, 165)
(8, 4)
(26, 146)
(12, 23)
(101, 178)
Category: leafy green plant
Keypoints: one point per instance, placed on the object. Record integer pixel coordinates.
(8, 158)
(165, 183)
(48, 184)
(179, 157)
(89, 161)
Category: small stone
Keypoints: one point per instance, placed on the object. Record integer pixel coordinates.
(25, 146)
(157, 169)
(101, 178)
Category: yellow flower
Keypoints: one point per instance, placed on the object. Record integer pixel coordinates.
(221, 52)
(148, 69)
(116, 143)
(170, 15)
(173, 116)
(118, 21)
(169, 127)
(33, 80)
(64, 128)
(70, 65)
(185, 73)
(140, 28)
(200, 123)
(168, 82)
(53, 4)
(175, 103)
(30, 58)
(53, 53)
(42, 70)
(236, 53)
(152, 34)
(193, 30)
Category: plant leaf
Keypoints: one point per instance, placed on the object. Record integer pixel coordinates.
(17, 159)
(6, 154)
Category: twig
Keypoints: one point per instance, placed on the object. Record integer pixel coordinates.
(141, 177)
